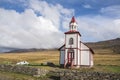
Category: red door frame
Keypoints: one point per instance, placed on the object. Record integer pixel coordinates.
(70, 57)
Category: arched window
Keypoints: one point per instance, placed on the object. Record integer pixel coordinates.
(75, 27)
(72, 27)
(71, 41)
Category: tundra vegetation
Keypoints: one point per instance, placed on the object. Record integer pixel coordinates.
(107, 62)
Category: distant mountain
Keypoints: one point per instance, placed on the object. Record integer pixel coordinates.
(108, 46)
(18, 50)
(101, 47)
(6, 49)
(26, 50)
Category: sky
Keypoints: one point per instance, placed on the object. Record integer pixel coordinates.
(42, 23)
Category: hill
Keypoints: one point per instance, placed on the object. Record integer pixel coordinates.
(29, 50)
(101, 47)
(108, 46)
(19, 50)
(7, 49)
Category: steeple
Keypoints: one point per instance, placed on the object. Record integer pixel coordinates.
(73, 24)
(73, 20)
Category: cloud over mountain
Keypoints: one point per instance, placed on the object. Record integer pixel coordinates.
(41, 24)
(28, 29)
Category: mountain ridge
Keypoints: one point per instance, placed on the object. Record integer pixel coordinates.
(101, 47)
(112, 45)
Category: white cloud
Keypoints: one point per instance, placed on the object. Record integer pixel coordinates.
(28, 30)
(100, 27)
(95, 28)
(87, 6)
(52, 12)
(113, 11)
(117, 22)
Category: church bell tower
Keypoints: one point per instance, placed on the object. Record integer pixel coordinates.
(73, 25)
(72, 47)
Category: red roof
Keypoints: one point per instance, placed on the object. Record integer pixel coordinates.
(72, 32)
(72, 20)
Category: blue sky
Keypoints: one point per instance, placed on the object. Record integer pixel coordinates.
(42, 23)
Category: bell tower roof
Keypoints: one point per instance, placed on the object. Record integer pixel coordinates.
(73, 20)
(73, 25)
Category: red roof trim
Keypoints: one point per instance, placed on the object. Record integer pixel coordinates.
(72, 32)
(61, 47)
(80, 42)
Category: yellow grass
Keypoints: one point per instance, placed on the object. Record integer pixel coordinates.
(107, 59)
(104, 62)
(53, 56)
(32, 57)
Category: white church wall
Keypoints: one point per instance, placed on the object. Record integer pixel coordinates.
(78, 41)
(83, 46)
(65, 58)
(85, 58)
(62, 54)
(91, 63)
(75, 57)
(91, 59)
(78, 57)
(68, 36)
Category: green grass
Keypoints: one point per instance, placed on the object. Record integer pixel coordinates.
(15, 76)
(115, 69)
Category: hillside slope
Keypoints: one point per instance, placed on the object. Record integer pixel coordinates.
(7, 49)
(108, 46)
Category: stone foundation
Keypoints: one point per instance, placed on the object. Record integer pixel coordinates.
(77, 75)
(37, 72)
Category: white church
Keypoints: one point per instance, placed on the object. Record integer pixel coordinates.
(74, 53)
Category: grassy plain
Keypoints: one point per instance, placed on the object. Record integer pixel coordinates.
(104, 62)
(31, 57)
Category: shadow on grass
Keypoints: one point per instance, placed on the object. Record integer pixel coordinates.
(45, 65)
(54, 77)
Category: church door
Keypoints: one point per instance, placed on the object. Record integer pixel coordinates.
(70, 56)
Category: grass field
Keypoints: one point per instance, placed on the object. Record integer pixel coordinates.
(31, 57)
(107, 63)
(104, 63)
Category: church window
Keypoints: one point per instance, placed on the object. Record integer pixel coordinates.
(71, 41)
(74, 27)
